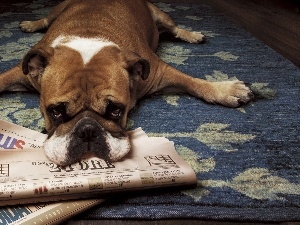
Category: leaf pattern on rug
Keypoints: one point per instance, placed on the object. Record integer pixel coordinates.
(219, 76)
(171, 99)
(164, 7)
(214, 135)
(10, 106)
(171, 53)
(197, 193)
(7, 32)
(30, 118)
(198, 164)
(263, 90)
(227, 56)
(16, 50)
(209, 33)
(258, 183)
(14, 110)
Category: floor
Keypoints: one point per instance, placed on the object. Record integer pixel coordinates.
(277, 24)
(168, 222)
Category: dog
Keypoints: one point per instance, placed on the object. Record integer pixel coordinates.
(96, 59)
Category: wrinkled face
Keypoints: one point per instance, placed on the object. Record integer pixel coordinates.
(87, 87)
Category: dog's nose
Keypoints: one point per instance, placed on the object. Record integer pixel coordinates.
(87, 132)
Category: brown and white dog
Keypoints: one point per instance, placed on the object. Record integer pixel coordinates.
(95, 61)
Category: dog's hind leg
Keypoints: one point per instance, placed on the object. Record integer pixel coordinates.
(165, 24)
(32, 26)
(14, 80)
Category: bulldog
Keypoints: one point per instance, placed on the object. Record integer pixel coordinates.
(95, 61)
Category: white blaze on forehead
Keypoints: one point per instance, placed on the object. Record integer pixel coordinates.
(87, 47)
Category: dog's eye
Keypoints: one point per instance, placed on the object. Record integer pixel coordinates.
(114, 111)
(58, 112)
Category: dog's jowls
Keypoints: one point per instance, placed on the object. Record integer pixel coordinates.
(95, 61)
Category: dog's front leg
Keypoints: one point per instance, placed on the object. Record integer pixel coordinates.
(32, 26)
(14, 80)
(227, 93)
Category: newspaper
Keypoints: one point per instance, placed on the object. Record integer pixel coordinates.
(45, 214)
(153, 162)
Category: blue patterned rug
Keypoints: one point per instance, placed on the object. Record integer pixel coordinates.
(246, 159)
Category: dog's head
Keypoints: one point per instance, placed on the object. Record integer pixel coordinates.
(87, 88)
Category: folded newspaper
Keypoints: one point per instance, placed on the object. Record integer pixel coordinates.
(28, 177)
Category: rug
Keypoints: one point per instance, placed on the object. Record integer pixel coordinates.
(246, 159)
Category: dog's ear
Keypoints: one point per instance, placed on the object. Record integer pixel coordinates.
(137, 66)
(35, 62)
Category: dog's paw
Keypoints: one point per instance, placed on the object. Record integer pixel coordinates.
(28, 26)
(190, 36)
(196, 37)
(32, 26)
(232, 93)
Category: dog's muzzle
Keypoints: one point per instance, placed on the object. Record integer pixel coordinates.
(87, 137)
